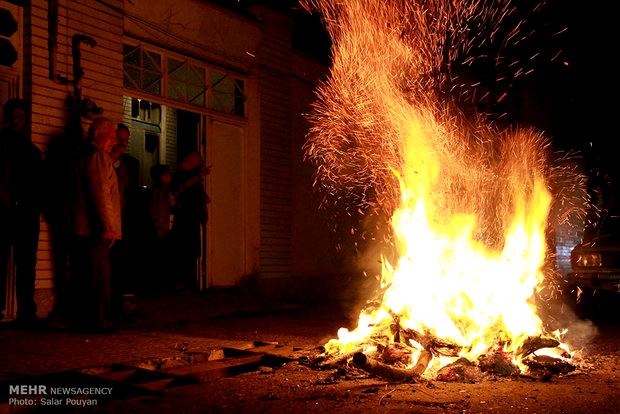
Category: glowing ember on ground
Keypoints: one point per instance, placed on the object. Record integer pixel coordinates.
(468, 201)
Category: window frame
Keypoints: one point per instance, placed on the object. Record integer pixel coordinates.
(164, 96)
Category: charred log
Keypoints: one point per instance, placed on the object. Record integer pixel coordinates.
(498, 363)
(337, 360)
(548, 364)
(390, 373)
(396, 354)
(431, 342)
(461, 370)
(534, 343)
(428, 341)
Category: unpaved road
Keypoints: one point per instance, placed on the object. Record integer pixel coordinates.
(296, 388)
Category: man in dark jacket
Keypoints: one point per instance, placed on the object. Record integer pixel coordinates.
(190, 215)
(20, 207)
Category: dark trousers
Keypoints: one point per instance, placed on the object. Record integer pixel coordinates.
(186, 246)
(90, 283)
(122, 276)
(21, 230)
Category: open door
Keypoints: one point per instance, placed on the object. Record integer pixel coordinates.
(201, 139)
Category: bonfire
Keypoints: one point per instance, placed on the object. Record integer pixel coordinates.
(468, 200)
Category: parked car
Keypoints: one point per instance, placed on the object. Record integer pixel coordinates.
(596, 261)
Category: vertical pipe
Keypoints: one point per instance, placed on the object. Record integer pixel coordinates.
(52, 40)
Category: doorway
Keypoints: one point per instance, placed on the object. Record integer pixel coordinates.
(222, 145)
(163, 135)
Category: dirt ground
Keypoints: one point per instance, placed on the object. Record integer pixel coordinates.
(295, 387)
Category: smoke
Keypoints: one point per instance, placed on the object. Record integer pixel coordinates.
(581, 333)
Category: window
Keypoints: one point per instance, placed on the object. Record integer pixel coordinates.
(146, 111)
(182, 80)
(226, 94)
(142, 69)
(186, 82)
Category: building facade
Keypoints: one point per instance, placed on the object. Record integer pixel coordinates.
(187, 76)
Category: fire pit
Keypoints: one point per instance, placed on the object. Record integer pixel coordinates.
(407, 357)
(468, 201)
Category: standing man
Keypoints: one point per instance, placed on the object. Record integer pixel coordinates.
(20, 207)
(97, 226)
(126, 255)
(190, 215)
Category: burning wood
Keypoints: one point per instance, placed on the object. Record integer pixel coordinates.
(396, 354)
(432, 343)
(337, 360)
(374, 367)
(534, 343)
(462, 370)
(427, 340)
(390, 357)
(498, 363)
(548, 365)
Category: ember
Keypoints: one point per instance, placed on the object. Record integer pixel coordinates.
(468, 201)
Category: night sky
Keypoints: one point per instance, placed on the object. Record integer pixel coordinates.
(572, 92)
(572, 97)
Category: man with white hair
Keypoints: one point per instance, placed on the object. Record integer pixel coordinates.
(97, 225)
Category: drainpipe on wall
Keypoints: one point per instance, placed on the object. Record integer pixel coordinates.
(52, 36)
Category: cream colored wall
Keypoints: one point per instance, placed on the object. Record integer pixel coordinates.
(252, 179)
(194, 27)
(200, 31)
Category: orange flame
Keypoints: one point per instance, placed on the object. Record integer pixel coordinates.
(469, 203)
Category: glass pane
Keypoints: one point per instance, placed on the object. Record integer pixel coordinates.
(152, 61)
(127, 81)
(222, 92)
(196, 94)
(216, 78)
(135, 109)
(151, 83)
(197, 75)
(174, 64)
(221, 102)
(226, 86)
(176, 89)
(131, 78)
(177, 70)
(131, 55)
(239, 99)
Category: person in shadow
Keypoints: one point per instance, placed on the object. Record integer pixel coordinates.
(21, 168)
(160, 204)
(190, 213)
(126, 254)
